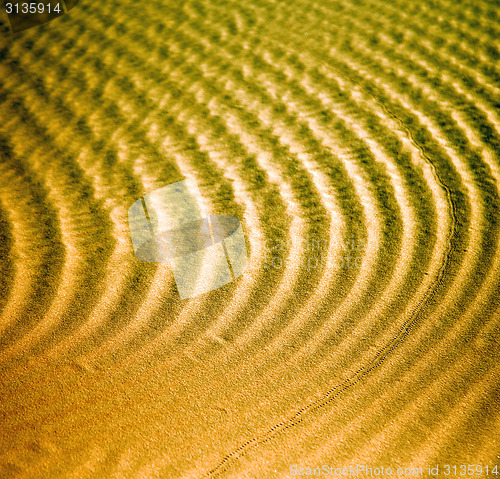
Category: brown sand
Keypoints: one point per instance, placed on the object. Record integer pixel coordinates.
(358, 143)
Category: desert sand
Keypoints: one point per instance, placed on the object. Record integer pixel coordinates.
(358, 142)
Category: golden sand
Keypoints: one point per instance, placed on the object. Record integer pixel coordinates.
(359, 145)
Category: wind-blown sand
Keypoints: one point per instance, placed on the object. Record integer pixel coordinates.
(359, 145)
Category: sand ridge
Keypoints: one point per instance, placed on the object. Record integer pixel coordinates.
(372, 128)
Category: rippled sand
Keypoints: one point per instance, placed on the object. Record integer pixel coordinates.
(359, 144)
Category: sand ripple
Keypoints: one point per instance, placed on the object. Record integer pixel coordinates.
(358, 143)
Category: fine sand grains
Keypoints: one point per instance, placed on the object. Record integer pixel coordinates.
(359, 145)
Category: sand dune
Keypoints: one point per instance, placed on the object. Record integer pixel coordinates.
(359, 145)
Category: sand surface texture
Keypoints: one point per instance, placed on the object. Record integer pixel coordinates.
(358, 142)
